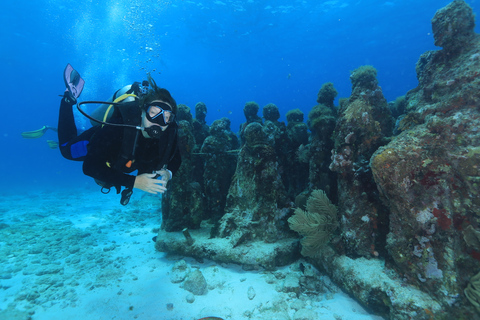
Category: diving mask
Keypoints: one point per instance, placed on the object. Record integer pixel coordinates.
(159, 113)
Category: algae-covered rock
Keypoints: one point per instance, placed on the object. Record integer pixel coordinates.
(180, 270)
(305, 314)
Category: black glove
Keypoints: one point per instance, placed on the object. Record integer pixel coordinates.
(69, 98)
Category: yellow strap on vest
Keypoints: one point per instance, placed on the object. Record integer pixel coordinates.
(119, 99)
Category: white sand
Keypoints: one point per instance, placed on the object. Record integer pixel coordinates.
(81, 255)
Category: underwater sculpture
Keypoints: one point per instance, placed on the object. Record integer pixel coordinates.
(295, 174)
(257, 206)
(250, 111)
(364, 124)
(200, 127)
(200, 133)
(183, 205)
(428, 175)
(407, 204)
(321, 122)
(219, 152)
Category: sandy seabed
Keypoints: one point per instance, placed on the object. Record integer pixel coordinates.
(76, 254)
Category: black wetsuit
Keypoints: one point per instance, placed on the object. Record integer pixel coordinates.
(100, 149)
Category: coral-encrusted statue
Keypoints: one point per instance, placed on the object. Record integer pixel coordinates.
(428, 175)
(257, 205)
(364, 124)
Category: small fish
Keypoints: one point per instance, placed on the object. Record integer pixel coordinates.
(211, 318)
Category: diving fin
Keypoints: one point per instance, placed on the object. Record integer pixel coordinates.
(73, 81)
(37, 133)
(34, 134)
(52, 144)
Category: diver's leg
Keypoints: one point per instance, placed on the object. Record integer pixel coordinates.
(67, 130)
(71, 146)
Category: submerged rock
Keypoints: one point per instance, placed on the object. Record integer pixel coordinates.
(180, 270)
(251, 293)
(195, 283)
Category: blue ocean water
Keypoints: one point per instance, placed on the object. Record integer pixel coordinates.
(223, 53)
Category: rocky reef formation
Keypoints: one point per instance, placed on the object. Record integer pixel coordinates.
(429, 174)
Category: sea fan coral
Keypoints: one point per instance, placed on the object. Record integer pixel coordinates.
(316, 224)
(472, 291)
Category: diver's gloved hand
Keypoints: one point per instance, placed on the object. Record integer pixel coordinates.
(69, 98)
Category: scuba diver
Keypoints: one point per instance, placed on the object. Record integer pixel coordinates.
(136, 132)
